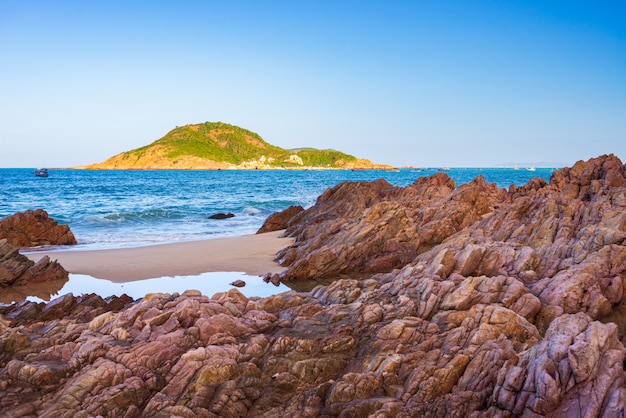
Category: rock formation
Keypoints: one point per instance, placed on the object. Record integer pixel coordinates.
(370, 227)
(238, 283)
(17, 269)
(279, 220)
(34, 227)
(497, 304)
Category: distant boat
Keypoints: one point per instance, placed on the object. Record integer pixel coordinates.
(443, 169)
(530, 168)
(41, 172)
(395, 169)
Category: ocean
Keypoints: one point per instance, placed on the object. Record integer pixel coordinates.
(125, 208)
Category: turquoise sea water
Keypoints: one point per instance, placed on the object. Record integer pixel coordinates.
(117, 208)
(122, 208)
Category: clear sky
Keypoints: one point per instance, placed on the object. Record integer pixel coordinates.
(426, 83)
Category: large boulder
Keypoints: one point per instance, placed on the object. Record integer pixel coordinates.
(33, 228)
(279, 220)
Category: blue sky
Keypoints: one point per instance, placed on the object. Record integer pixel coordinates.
(426, 83)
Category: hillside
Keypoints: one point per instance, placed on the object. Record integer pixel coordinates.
(217, 145)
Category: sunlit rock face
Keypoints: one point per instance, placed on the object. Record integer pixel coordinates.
(34, 227)
(372, 227)
(517, 313)
(19, 276)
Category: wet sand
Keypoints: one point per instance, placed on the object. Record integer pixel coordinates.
(250, 254)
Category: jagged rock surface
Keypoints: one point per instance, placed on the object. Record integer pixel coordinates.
(32, 228)
(519, 313)
(566, 241)
(399, 347)
(372, 227)
(17, 269)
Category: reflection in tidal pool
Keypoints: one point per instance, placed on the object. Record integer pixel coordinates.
(78, 284)
(32, 291)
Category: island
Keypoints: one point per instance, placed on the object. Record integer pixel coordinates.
(218, 145)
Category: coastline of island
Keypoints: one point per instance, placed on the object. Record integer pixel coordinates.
(221, 146)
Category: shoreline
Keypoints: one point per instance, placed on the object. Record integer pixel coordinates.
(250, 254)
(236, 168)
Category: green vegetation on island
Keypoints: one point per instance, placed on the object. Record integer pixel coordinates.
(218, 145)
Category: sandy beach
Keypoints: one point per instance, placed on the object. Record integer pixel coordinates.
(250, 254)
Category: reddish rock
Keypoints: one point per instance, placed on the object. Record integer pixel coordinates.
(360, 227)
(238, 283)
(500, 319)
(575, 371)
(565, 240)
(32, 228)
(409, 345)
(279, 220)
(17, 269)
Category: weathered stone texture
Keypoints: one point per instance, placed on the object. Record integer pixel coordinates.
(32, 228)
(375, 227)
(516, 310)
(17, 269)
(280, 220)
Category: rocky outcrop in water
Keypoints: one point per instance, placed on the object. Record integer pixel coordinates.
(511, 306)
(18, 270)
(32, 228)
(222, 215)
